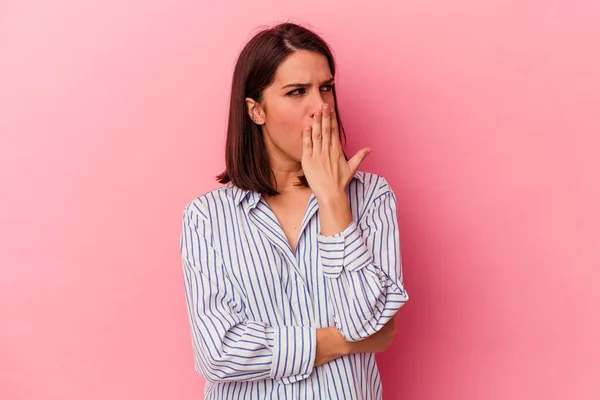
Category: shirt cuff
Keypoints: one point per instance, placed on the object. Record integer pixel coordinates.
(294, 350)
(344, 250)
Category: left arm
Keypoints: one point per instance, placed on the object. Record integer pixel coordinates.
(361, 260)
(362, 264)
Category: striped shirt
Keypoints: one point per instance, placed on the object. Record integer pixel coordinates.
(254, 304)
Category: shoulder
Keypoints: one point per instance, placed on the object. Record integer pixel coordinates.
(211, 203)
(370, 185)
(368, 192)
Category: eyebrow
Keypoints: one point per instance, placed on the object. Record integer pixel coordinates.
(305, 85)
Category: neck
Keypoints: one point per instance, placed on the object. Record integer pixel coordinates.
(286, 178)
(285, 169)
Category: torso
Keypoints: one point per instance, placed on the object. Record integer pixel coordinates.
(289, 210)
(272, 287)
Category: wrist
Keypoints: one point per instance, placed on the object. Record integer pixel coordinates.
(332, 199)
(350, 347)
(337, 343)
(345, 346)
(334, 215)
(331, 345)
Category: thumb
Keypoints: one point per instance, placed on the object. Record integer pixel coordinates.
(358, 158)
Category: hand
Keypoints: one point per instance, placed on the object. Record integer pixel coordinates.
(330, 345)
(323, 162)
(377, 342)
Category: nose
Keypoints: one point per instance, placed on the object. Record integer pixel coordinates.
(318, 105)
(317, 99)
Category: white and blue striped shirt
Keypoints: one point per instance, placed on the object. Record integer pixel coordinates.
(254, 305)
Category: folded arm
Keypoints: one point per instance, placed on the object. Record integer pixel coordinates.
(363, 265)
(227, 345)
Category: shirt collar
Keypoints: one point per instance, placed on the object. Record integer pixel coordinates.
(253, 197)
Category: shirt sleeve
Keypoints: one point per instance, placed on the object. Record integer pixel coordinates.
(227, 345)
(364, 269)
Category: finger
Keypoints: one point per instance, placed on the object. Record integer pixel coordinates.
(358, 158)
(326, 128)
(307, 142)
(316, 132)
(335, 131)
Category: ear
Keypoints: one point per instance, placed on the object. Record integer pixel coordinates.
(254, 111)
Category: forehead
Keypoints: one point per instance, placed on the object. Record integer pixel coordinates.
(303, 66)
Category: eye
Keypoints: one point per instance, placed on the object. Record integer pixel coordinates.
(293, 93)
(297, 92)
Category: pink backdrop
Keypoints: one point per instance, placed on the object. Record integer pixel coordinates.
(482, 115)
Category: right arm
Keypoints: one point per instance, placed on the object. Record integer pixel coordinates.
(227, 345)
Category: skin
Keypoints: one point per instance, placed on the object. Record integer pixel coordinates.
(285, 113)
(302, 137)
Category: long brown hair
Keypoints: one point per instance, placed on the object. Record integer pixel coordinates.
(246, 159)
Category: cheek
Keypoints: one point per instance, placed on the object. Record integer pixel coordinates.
(287, 116)
(287, 122)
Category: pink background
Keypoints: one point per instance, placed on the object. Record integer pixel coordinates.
(482, 115)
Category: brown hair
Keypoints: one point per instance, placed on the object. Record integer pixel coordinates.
(246, 159)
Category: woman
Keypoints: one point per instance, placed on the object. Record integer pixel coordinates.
(292, 268)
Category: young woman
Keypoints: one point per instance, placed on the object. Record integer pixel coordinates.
(292, 268)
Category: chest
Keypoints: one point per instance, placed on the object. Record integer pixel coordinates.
(273, 261)
(290, 219)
